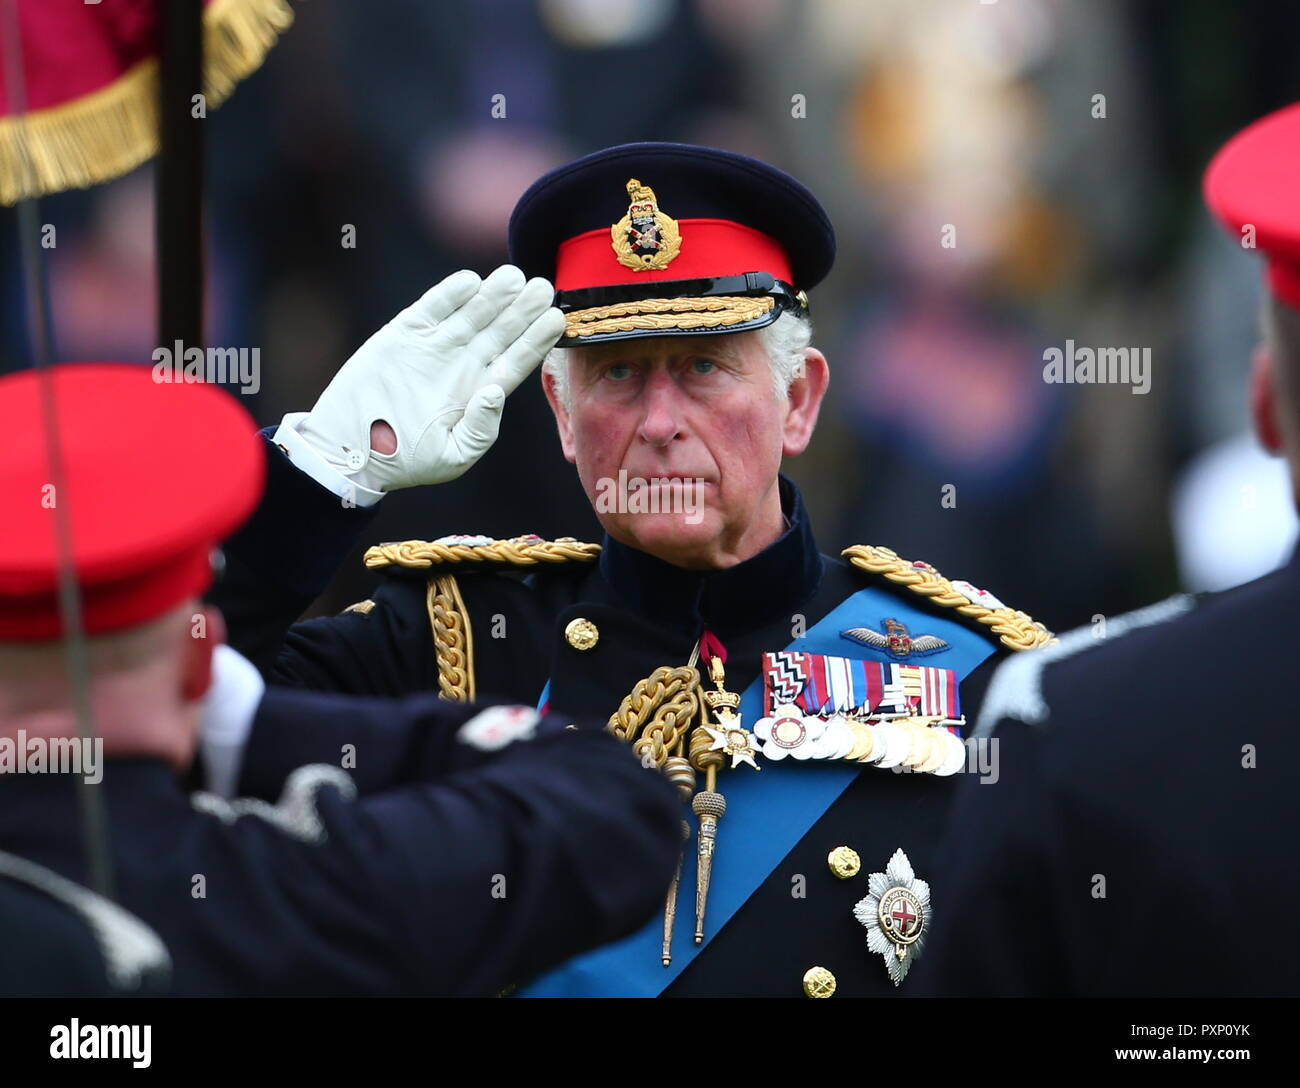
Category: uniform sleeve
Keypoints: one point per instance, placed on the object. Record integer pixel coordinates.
(282, 558)
(382, 743)
(285, 556)
(461, 886)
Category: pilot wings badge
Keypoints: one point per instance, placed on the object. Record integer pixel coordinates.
(896, 641)
(645, 239)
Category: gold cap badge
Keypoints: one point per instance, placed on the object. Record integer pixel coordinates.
(645, 239)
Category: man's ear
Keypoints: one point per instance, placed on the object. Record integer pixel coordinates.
(196, 674)
(805, 397)
(561, 415)
(1264, 398)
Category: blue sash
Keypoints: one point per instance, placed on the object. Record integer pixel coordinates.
(768, 812)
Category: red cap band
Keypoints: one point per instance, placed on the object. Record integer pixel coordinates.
(710, 247)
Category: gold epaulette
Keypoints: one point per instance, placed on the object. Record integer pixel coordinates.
(1014, 629)
(518, 551)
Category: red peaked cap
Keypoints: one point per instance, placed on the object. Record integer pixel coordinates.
(1254, 181)
(155, 475)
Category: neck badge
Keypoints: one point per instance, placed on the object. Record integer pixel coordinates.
(896, 912)
(645, 239)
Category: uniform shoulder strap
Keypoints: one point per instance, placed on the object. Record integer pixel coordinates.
(1015, 629)
(480, 551)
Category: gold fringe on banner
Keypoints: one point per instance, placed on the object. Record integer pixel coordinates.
(104, 134)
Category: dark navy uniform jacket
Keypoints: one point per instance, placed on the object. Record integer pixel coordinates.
(434, 867)
(794, 914)
(1141, 837)
(59, 939)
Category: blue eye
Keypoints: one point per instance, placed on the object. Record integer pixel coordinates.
(703, 366)
(618, 371)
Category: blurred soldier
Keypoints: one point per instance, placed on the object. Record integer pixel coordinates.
(707, 629)
(474, 846)
(1138, 840)
(58, 939)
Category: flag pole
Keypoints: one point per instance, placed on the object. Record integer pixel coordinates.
(90, 801)
(179, 212)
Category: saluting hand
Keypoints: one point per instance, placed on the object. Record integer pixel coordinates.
(437, 375)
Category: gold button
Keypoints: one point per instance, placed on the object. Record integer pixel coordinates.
(581, 634)
(844, 862)
(818, 982)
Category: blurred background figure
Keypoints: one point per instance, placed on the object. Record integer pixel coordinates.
(62, 940)
(1003, 177)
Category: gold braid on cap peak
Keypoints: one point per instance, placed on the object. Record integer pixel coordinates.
(667, 313)
(519, 551)
(1014, 629)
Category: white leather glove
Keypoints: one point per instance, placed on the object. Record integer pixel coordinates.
(438, 373)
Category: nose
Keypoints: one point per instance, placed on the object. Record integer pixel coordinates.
(661, 418)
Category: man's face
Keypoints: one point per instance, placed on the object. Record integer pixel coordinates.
(699, 411)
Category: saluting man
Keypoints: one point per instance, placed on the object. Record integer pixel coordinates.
(807, 707)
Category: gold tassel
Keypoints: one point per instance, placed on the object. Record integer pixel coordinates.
(708, 806)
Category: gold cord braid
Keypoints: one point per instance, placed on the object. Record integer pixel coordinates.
(1015, 629)
(660, 708)
(453, 639)
(520, 551)
(665, 730)
(667, 313)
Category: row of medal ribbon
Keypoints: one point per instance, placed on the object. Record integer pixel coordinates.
(888, 714)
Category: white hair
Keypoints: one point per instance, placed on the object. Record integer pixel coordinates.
(784, 341)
